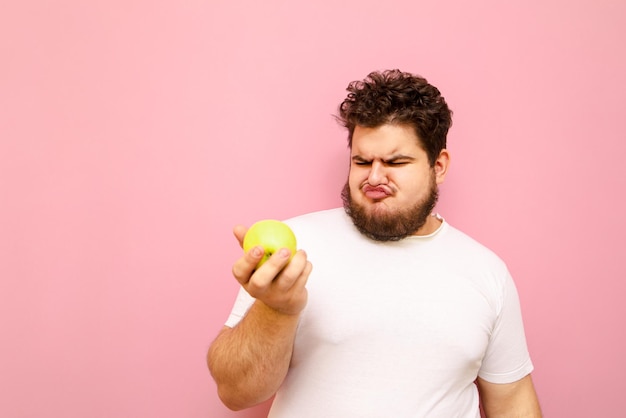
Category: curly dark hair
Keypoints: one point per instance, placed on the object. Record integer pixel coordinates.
(397, 97)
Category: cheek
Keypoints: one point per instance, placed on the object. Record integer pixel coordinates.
(356, 178)
(412, 183)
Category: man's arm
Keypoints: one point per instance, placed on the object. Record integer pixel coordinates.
(250, 361)
(509, 400)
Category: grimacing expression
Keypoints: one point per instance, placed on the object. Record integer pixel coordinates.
(392, 189)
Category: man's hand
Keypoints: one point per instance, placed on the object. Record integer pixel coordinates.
(278, 283)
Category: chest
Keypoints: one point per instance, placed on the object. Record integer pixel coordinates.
(401, 304)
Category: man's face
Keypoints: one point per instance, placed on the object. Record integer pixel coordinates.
(392, 189)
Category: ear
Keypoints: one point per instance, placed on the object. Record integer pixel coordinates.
(441, 166)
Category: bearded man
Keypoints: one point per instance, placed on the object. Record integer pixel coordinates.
(404, 315)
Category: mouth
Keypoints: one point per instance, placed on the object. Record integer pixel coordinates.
(376, 192)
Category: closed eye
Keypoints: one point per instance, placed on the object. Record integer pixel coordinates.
(399, 161)
(361, 161)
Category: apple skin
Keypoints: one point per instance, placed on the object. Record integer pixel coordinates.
(272, 235)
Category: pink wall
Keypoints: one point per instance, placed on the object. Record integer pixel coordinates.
(134, 134)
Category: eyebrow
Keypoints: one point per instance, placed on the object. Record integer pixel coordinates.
(396, 157)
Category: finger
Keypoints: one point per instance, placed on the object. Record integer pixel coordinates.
(299, 285)
(295, 273)
(240, 231)
(265, 275)
(245, 265)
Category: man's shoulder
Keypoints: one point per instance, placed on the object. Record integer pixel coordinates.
(323, 225)
(470, 247)
(320, 217)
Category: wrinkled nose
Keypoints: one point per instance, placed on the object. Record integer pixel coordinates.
(377, 175)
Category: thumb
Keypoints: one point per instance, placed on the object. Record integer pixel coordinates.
(240, 231)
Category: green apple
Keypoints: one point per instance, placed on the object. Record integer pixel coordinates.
(272, 235)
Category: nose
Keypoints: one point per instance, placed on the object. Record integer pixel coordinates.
(377, 174)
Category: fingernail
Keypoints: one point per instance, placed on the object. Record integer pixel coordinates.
(284, 252)
(257, 252)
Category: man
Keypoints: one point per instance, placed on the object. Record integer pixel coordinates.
(403, 316)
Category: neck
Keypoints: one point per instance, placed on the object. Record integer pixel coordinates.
(433, 222)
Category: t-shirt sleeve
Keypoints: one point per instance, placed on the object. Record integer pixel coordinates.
(507, 359)
(243, 302)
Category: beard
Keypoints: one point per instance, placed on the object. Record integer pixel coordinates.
(394, 225)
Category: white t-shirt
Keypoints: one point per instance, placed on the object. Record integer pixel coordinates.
(397, 329)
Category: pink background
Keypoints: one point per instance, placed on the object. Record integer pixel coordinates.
(134, 134)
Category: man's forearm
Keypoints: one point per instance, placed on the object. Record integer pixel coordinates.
(250, 361)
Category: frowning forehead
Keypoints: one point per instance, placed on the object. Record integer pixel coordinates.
(386, 143)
